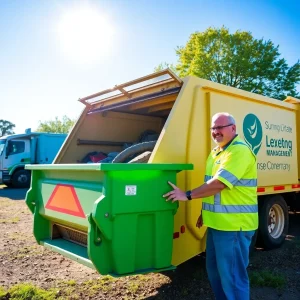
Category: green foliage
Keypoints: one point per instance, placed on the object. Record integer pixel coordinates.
(6, 127)
(238, 60)
(3, 293)
(56, 126)
(27, 292)
(104, 283)
(165, 65)
(267, 279)
(71, 282)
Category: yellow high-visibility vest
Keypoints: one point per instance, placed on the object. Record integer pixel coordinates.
(235, 207)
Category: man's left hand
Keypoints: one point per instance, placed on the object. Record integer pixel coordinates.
(176, 195)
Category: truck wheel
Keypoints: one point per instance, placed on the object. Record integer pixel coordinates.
(273, 222)
(21, 179)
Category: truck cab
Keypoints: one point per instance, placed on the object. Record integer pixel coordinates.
(14, 154)
(17, 150)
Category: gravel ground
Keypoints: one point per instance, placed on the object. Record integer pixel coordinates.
(23, 261)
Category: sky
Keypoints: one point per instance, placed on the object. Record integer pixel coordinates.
(53, 52)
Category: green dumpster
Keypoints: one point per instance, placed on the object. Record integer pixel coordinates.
(111, 217)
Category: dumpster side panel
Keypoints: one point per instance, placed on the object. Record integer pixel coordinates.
(106, 216)
(65, 201)
(68, 201)
(134, 223)
(41, 226)
(140, 191)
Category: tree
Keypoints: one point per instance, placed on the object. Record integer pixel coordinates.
(6, 127)
(56, 126)
(165, 65)
(239, 60)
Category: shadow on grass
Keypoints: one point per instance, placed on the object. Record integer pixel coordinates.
(188, 281)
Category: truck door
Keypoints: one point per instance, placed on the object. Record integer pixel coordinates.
(2, 154)
(17, 153)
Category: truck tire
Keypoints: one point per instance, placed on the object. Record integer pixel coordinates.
(273, 222)
(21, 179)
(134, 150)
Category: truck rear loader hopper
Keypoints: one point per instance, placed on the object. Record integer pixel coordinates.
(111, 216)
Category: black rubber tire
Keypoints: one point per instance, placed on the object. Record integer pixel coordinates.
(21, 179)
(265, 239)
(134, 150)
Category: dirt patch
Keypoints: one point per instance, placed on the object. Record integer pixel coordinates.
(22, 260)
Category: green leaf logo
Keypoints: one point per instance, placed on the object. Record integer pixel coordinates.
(253, 132)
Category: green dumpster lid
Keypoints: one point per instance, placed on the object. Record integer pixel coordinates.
(111, 167)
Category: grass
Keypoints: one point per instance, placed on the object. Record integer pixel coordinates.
(27, 251)
(103, 283)
(267, 279)
(2, 293)
(67, 289)
(142, 277)
(133, 287)
(102, 280)
(27, 291)
(12, 220)
(19, 236)
(297, 243)
(32, 253)
(71, 282)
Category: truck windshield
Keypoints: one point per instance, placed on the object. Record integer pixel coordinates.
(2, 145)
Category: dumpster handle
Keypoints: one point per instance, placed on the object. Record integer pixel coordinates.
(97, 239)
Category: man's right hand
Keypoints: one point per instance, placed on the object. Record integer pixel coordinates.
(199, 222)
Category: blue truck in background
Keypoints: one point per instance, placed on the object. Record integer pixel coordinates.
(17, 150)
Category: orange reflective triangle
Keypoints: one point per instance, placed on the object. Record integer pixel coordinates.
(64, 199)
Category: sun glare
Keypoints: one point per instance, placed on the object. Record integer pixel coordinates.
(85, 35)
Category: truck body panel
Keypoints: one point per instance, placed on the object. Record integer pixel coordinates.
(180, 111)
(47, 147)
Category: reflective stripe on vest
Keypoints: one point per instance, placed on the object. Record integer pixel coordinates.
(235, 207)
(240, 143)
(233, 180)
(217, 208)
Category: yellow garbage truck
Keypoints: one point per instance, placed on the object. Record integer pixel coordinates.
(100, 202)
